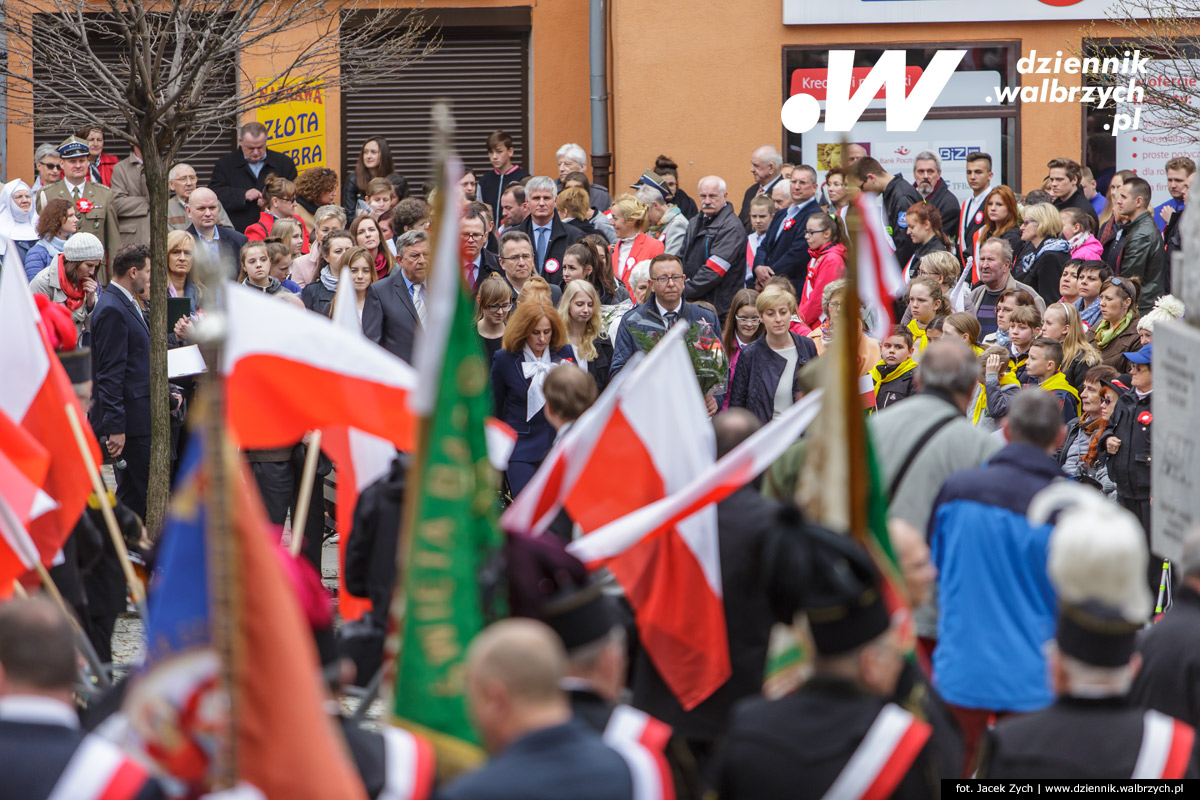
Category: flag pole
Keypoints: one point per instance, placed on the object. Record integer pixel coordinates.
(224, 560)
(136, 588)
(81, 640)
(307, 477)
(849, 330)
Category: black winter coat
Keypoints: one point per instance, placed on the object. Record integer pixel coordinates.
(371, 552)
(1129, 467)
(759, 369)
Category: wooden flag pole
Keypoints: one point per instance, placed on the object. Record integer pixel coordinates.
(307, 477)
(110, 519)
(19, 590)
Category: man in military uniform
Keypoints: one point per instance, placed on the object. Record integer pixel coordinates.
(1093, 731)
(588, 623)
(838, 734)
(92, 199)
(43, 752)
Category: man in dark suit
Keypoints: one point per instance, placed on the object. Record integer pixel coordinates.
(217, 242)
(927, 180)
(656, 316)
(121, 370)
(478, 262)
(764, 166)
(41, 742)
(549, 235)
(395, 306)
(784, 249)
(514, 670)
(238, 178)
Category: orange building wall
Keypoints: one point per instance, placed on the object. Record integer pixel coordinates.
(708, 92)
(558, 98)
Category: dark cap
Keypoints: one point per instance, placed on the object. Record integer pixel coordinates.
(844, 603)
(581, 616)
(649, 178)
(77, 363)
(73, 147)
(1119, 384)
(1096, 634)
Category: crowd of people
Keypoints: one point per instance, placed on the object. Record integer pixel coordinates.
(1021, 356)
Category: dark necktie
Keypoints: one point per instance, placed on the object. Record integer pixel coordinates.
(671, 317)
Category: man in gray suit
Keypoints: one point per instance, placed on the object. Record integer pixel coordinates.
(395, 307)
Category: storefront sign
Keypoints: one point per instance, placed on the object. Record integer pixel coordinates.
(809, 12)
(297, 127)
(1147, 149)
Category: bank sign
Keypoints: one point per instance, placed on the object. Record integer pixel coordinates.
(841, 12)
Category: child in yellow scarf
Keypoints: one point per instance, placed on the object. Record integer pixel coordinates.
(1044, 366)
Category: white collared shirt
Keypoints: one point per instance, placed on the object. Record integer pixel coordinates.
(37, 710)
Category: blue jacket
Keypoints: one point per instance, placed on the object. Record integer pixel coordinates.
(646, 319)
(564, 761)
(509, 391)
(40, 256)
(759, 369)
(998, 608)
(120, 367)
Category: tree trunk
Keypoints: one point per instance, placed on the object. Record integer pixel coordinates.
(155, 169)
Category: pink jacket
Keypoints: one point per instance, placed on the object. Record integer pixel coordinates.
(826, 266)
(1089, 250)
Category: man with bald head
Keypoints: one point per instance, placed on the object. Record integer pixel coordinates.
(714, 248)
(220, 244)
(538, 749)
(765, 163)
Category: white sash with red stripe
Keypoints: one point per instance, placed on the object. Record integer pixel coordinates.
(717, 265)
(408, 766)
(640, 739)
(963, 220)
(883, 758)
(1166, 748)
(99, 771)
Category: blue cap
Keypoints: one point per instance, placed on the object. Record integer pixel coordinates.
(73, 147)
(648, 178)
(1143, 356)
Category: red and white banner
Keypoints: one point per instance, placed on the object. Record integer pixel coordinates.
(879, 278)
(35, 394)
(737, 468)
(645, 439)
(99, 771)
(641, 740)
(884, 757)
(408, 766)
(289, 371)
(1166, 748)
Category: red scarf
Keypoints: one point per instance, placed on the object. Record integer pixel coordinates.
(381, 266)
(74, 294)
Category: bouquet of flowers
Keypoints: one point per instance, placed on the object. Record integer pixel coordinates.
(707, 353)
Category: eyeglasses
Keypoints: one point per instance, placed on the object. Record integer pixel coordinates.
(663, 280)
(55, 167)
(474, 237)
(499, 307)
(748, 320)
(291, 199)
(1025, 222)
(814, 233)
(520, 259)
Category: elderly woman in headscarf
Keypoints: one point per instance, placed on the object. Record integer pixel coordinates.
(18, 219)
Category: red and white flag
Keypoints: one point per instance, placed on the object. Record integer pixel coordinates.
(360, 458)
(737, 468)
(23, 467)
(289, 371)
(35, 394)
(646, 438)
(879, 278)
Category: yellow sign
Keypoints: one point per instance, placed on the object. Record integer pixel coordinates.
(297, 127)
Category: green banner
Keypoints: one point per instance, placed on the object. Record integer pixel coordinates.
(452, 535)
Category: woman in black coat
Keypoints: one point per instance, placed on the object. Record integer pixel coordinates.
(579, 309)
(374, 161)
(535, 341)
(1041, 265)
(318, 295)
(764, 382)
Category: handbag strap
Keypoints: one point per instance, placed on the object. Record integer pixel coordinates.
(916, 451)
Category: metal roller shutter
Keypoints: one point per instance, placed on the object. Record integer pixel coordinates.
(206, 145)
(484, 75)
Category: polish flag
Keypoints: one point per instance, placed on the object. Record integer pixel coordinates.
(23, 467)
(289, 371)
(646, 438)
(35, 394)
(738, 467)
(879, 278)
(360, 458)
